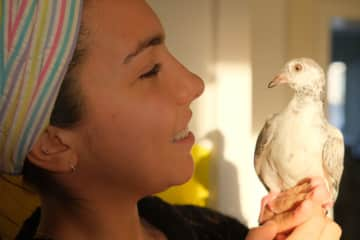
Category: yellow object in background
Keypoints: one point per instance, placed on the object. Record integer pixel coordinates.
(196, 190)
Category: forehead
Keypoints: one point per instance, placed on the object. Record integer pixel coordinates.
(119, 24)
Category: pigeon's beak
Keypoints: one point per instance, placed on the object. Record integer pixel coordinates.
(279, 79)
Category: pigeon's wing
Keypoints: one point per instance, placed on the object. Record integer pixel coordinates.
(333, 158)
(262, 143)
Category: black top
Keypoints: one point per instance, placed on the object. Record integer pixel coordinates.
(183, 222)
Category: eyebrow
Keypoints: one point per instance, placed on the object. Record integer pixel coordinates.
(148, 42)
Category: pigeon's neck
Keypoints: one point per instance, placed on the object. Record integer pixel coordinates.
(300, 102)
(309, 92)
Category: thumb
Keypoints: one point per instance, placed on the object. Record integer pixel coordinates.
(267, 231)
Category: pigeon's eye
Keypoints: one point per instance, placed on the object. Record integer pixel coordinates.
(298, 67)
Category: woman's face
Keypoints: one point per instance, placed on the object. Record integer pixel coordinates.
(136, 97)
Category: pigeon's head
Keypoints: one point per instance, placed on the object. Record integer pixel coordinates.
(301, 74)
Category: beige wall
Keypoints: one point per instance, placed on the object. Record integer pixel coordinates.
(237, 46)
(309, 22)
(269, 45)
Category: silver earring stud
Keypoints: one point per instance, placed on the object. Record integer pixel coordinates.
(72, 167)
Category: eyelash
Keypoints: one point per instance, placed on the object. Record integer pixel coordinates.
(152, 73)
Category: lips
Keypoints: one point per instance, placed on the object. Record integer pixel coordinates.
(184, 131)
(181, 135)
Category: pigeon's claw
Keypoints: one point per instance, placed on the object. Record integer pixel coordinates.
(266, 211)
(320, 193)
(328, 206)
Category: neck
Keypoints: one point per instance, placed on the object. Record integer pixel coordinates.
(95, 219)
(306, 100)
(309, 93)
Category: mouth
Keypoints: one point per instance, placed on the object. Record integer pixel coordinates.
(181, 135)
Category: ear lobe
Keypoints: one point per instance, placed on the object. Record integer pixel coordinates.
(50, 153)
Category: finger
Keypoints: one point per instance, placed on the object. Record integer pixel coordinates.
(281, 237)
(309, 230)
(266, 232)
(331, 231)
(309, 188)
(321, 195)
(317, 181)
(289, 220)
(265, 212)
(299, 188)
(285, 203)
(305, 180)
(285, 200)
(306, 185)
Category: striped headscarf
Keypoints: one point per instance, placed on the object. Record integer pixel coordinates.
(37, 40)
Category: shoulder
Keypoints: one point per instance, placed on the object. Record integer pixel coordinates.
(195, 222)
(29, 227)
(207, 222)
(176, 221)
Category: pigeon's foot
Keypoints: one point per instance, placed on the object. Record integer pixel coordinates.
(320, 193)
(266, 211)
(328, 206)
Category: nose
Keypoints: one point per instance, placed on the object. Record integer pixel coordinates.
(188, 87)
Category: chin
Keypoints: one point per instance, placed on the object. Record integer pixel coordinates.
(177, 173)
(178, 176)
(184, 172)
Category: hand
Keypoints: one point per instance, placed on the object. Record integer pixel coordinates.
(310, 188)
(298, 213)
(307, 221)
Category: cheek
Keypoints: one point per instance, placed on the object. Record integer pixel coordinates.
(128, 139)
(132, 134)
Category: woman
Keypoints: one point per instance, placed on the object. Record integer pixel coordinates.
(118, 131)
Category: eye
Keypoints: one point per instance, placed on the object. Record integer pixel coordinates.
(152, 73)
(298, 67)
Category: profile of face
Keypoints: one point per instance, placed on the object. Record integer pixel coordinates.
(137, 98)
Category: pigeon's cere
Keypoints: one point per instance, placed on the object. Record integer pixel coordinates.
(298, 142)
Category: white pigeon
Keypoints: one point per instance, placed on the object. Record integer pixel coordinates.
(298, 142)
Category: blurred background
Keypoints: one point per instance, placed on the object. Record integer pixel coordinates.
(237, 46)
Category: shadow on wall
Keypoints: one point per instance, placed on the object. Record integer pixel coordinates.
(223, 170)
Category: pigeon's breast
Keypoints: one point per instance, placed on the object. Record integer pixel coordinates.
(297, 147)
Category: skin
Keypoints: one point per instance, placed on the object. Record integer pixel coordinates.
(298, 213)
(123, 149)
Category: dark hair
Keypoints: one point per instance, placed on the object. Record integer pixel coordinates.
(67, 113)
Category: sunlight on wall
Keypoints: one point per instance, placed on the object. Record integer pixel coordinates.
(205, 111)
(234, 106)
(234, 120)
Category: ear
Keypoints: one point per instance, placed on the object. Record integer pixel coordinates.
(53, 152)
